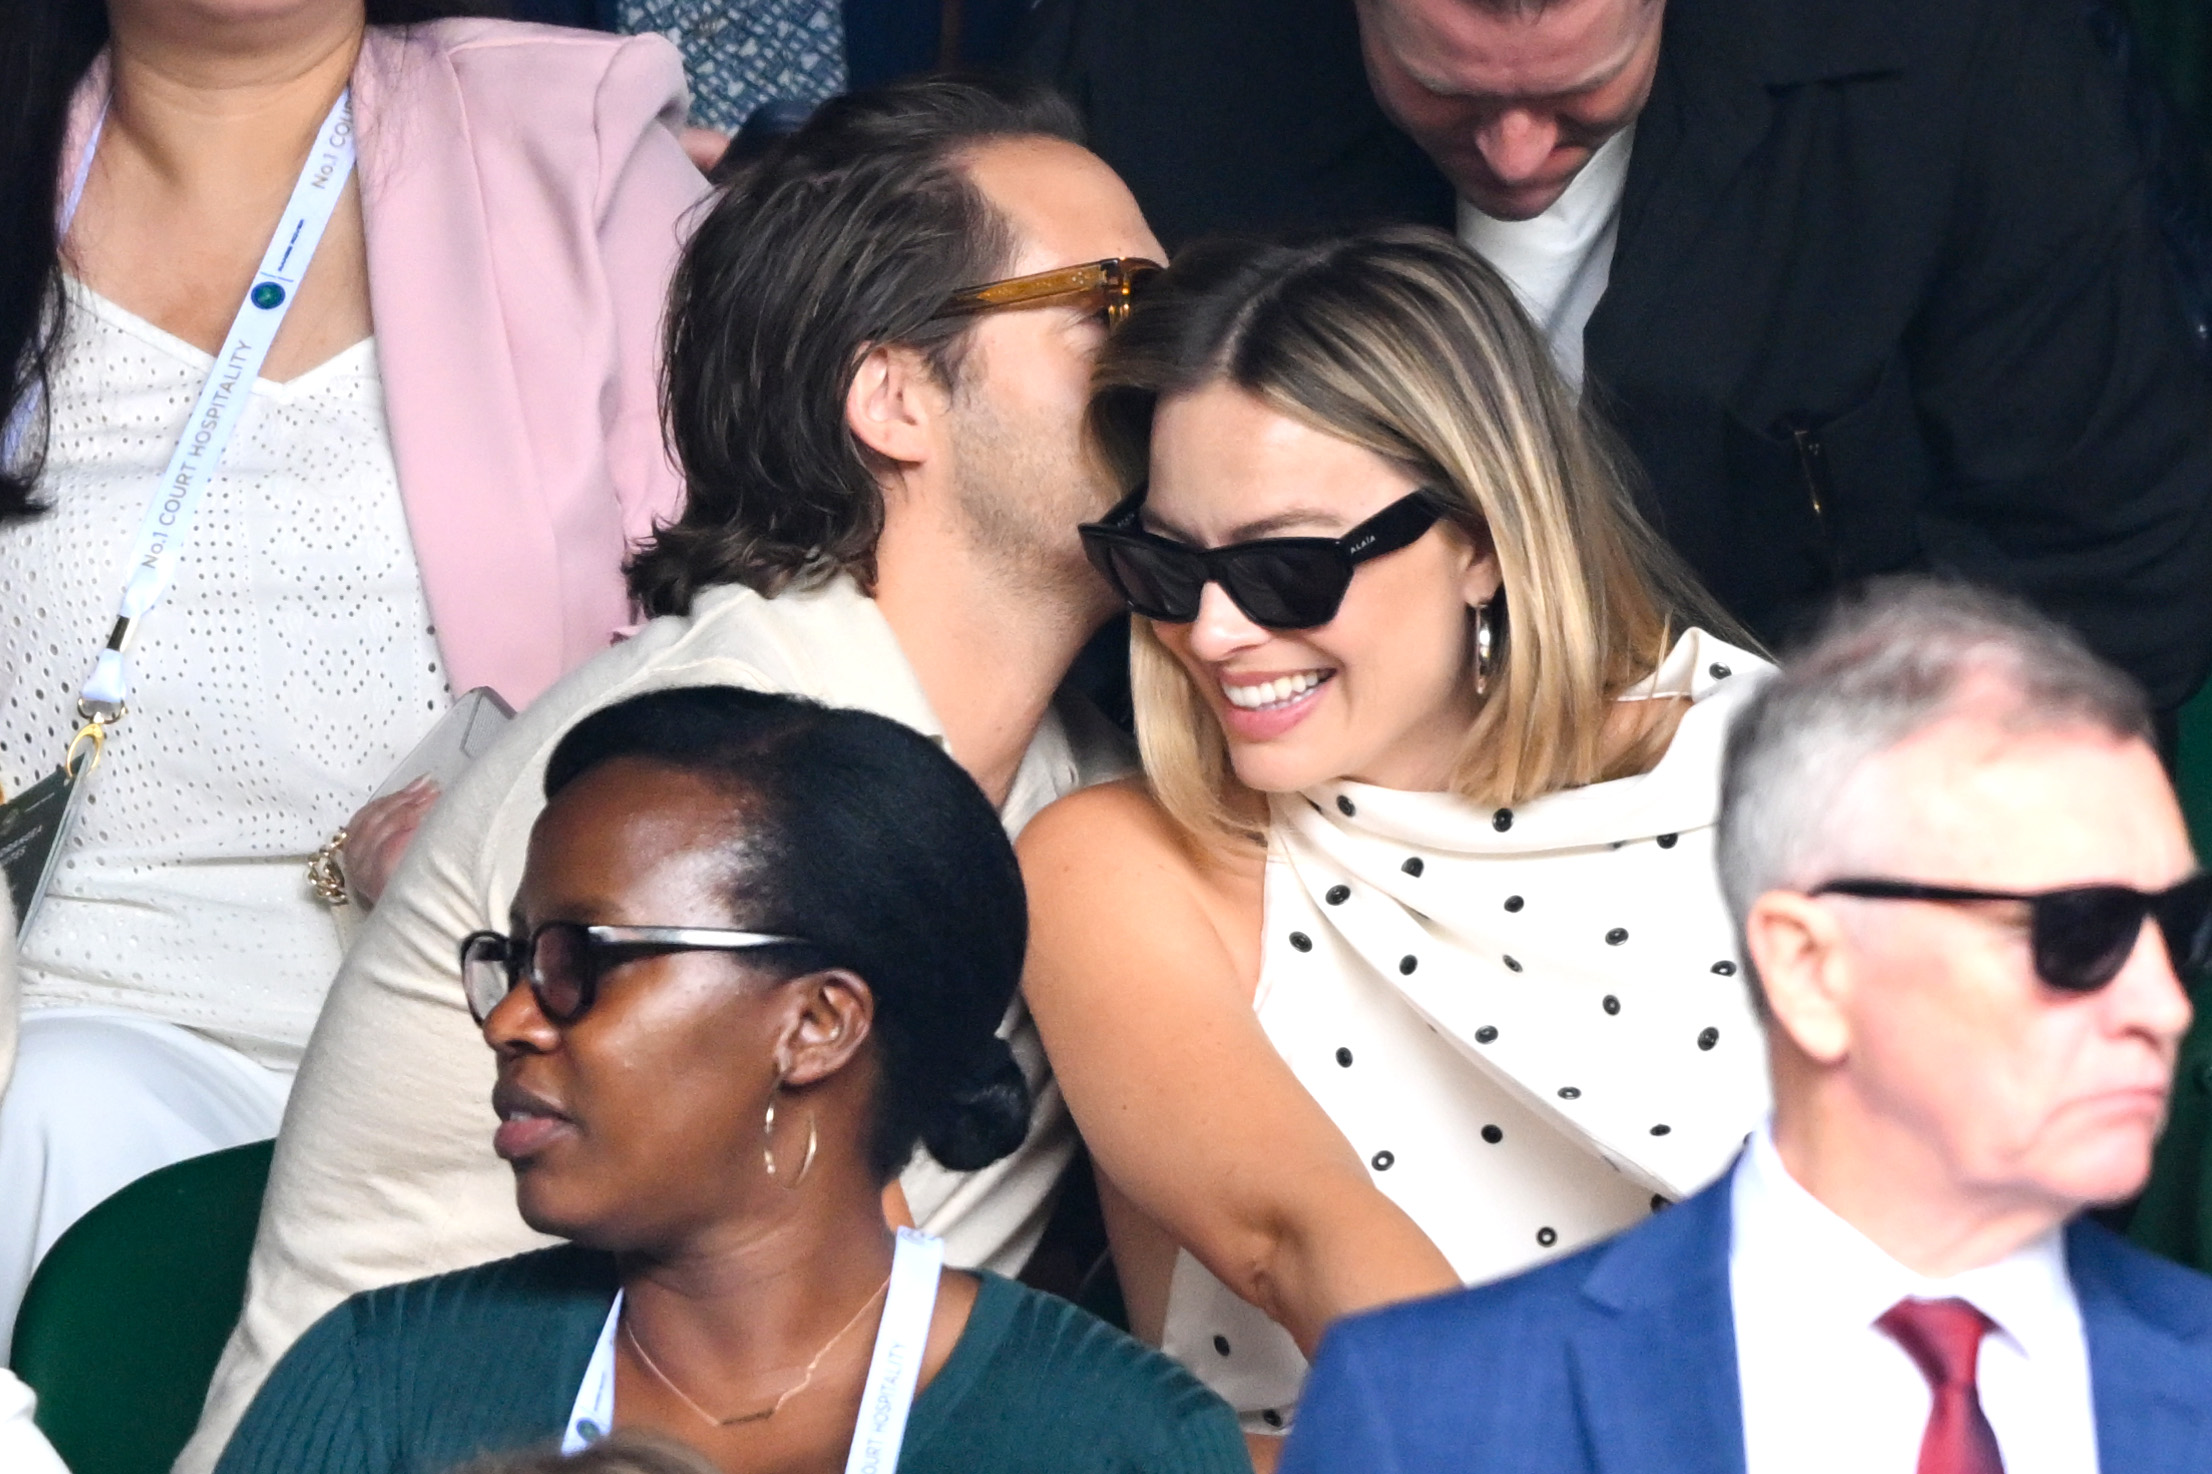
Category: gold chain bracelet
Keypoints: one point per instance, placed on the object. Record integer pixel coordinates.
(324, 874)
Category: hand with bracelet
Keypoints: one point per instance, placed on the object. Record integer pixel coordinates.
(358, 862)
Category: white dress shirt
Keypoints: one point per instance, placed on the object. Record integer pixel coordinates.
(23, 1449)
(1560, 261)
(1825, 1390)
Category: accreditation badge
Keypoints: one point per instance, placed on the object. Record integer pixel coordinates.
(35, 824)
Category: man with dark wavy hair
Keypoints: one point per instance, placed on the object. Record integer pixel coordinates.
(885, 472)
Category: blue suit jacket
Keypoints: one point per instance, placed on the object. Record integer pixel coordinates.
(1622, 1359)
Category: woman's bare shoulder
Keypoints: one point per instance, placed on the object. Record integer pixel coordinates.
(1105, 821)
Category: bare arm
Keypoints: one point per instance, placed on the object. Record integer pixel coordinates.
(1141, 969)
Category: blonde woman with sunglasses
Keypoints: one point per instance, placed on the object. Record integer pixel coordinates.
(1405, 965)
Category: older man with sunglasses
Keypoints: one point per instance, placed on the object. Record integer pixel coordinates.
(879, 355)
(1966, 891)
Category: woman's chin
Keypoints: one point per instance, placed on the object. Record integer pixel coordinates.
(549, 1211)
(1277, 767)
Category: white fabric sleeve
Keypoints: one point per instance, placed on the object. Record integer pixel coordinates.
(23, 1449)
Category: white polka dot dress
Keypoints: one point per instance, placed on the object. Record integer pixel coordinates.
(290, 667)
(1530, 1023)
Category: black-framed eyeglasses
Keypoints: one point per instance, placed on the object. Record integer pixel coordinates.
(564, 962)
(1096, 286)
(2081, 936)
(1283, 583)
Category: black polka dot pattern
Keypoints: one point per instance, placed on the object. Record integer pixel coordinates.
(1413, 867)
(1337, 895)
(1493, 1135)
(1221, 1345)
(1616, 936)
(1547, 1236)
(1486, 1034)
(1512, 964)
(1720, 672)
(1382, 1161)
(1406, 965)
(1344, 806)
(1344, 1058)
(1300, 942)
(1502, 820)
(1661, 1130)
(1725, 969)
(1707, 1037)
(1269, 1416)
(1570, 1092)
(1514, 903)
(1612, 1005)
(1669, 841)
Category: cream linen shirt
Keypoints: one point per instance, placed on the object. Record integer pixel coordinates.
(384, 1171)
(1825, 1391)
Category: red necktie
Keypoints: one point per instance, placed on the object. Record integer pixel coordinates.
(1945, 1338)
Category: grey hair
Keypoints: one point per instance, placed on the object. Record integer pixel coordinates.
(1884, 666)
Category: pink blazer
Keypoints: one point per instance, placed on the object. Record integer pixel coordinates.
(524, 200)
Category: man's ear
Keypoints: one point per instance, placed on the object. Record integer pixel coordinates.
(895, 406)
(836, 1012)
(1803, 959)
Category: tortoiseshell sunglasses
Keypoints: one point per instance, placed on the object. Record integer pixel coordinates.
(1098, 286)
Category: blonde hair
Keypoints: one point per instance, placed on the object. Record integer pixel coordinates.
(1405, 343)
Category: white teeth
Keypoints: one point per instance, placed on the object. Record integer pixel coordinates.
(1272, 693)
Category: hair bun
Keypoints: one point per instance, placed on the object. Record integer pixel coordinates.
(985, 1115)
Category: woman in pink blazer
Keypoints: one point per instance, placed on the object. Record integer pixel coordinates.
(434, 483)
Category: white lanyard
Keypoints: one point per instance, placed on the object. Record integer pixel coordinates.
(893, 1371)
(223, 399)
(35, 824)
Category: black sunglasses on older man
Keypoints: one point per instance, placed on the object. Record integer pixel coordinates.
(564, 961)
(2081, 936)
(1281, 583)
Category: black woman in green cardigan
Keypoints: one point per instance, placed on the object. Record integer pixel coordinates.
(760, 950)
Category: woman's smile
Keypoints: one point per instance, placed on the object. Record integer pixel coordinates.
(1260, 705)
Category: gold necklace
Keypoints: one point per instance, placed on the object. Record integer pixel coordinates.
(781, 1398)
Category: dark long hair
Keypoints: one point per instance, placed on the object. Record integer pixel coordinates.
(46, 47)
(848, 234)
(862, 836)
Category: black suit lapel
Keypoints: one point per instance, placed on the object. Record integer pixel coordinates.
(1722, 65)
(1656, 1379)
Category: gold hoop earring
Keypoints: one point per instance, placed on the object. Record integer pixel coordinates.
(768, 1141)
(1485, 648)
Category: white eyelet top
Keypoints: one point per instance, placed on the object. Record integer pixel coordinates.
(1530, 1023)
(292, 665)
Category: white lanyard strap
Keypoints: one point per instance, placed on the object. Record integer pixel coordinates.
(222, 402)
(896, 1367)
(893, 1371)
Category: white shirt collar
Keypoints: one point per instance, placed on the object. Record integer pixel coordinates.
(1837, 1279)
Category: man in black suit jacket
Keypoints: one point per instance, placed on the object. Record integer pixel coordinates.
(1885, 292)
